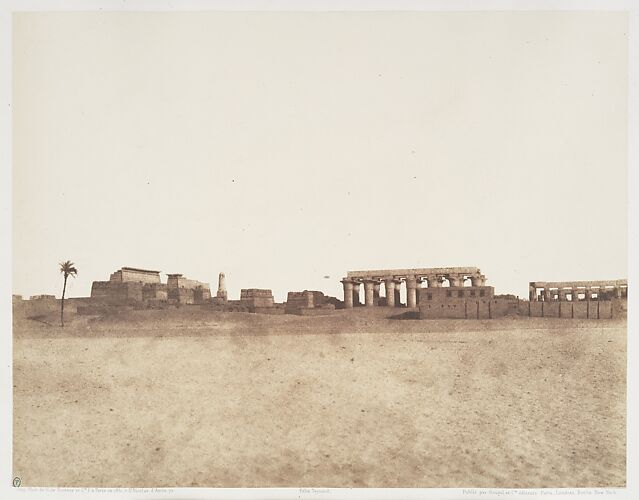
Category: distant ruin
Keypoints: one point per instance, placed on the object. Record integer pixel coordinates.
(578, 299)
(308, 302)
(573, 291)
(394, 279)
(129, 285)
(133, 286)
(464, 303)
(431, 293)
(256, 298)
(221, 297)
(186, 291)
(461, 293)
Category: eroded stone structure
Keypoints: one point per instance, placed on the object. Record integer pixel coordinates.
(465, 303)
(256, 298)
(130, 285)
(134, 286)
(308, 302)
(574, 291)
(186, 291)
(413, 279)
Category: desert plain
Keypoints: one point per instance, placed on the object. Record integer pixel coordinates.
(195, 398)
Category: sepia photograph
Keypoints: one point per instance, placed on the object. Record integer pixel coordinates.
(331, 249)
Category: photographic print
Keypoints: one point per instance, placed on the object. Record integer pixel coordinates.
(319, 249)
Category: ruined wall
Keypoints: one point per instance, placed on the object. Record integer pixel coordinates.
(37, 306)
(308, 299)
(49, 304)
(306, 302)
(255, 297)
(186, 291)
(179, 281)
(154, 291)
(450, 294)
(297, 300)
(620, 307)
(582, 309)
(189, 295)
(468, 302)
(113, 292)
(469, 309)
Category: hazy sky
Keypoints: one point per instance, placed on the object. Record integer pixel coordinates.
(284, 147)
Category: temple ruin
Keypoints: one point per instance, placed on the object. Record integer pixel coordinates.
(465, 303)
(309, 302)
(186, 291)
(431, 293)
(129, 285)
(573, 291)
(256, 298)
(412, 279)
(132, 286)
(462, 293)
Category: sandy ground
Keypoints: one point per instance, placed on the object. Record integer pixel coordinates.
(352, 400)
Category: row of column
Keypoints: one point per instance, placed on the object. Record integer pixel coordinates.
(393, 288)
(561, 294)
(371, 292)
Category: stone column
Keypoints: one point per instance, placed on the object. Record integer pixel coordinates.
(532, 293)
(575, 294)
(618, 292)
(348, 293)
(368, 293)
(389, 285)
(411, 292)
(356, 288)
(544, 294)
(475, 280)
(561, 295)
(398, 293)
(433, 282)
(455, 281)
(588, 293)
(376, 286)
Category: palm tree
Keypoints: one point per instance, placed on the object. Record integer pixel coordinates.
(68, 269)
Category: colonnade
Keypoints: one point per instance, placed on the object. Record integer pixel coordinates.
(571, 291)
(393, 281)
